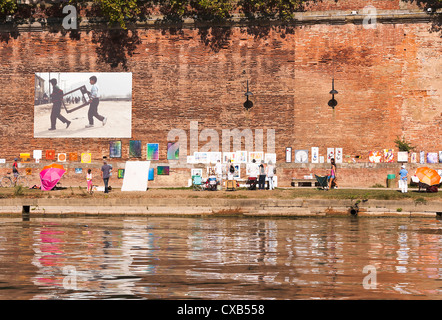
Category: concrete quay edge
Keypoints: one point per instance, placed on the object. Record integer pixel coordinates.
(221, 207)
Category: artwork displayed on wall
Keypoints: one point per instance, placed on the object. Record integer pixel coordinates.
(315, 155)
(432, 157)
(28, 171)
(86, 158)
(25, 157)
(134, 148)
(50, 154)
(120, 173)
(61, 157)
(151, 175)
(2, 160)
(237, 173)
(270, 157)
(153, 151)
(330, 154)
(115, 149)
(422, 157)
(214, 157)
(78, 170)
(388, 155)
(288, 154)
(229, 157)
(241, 157)
(173, 151)
(375, 157)
(301, 156)
(37, 154)
(338, 155)
(440, 156)
(163, 170)
(201, 157)
(258, 156)
(72, 93)
(196, 171)
(402, 156)
(413, 157)
(73, 156)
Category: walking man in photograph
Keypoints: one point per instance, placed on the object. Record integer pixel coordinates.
(93, 103)
(105, 174)
(57, 99)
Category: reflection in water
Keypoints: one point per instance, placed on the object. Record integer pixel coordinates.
(219, 258)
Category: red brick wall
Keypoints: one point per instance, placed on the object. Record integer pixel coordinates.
(388, 80)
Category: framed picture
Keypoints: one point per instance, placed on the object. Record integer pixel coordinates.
(432, 157)
(422, 157)
(37, 154)
(388, 155)
(61, 157)
(270, 157)
(440, 156)
(115, 149)
(241, 157)
(258, 156)
(338, 155)
(163, 170)
(134, 148)
(413, 157)
(315, 154)
(86, 158)
(120, 173)
(301, 156)
(78, 170)
(402, 156)
(150, 176)
(330, 154)
(152, 151)
(288, 154)
(228, 157)
(73, 156)
(50, 154)
(196, 171)
(173, 151)
(375, 157)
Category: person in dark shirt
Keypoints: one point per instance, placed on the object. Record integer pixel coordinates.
(105, 174)
(57, 99)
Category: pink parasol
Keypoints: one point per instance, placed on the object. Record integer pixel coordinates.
(50, 175)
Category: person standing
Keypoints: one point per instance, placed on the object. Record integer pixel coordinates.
(89, 180)
(270, 172)
(333, 178)
(403, 181)
(219, 172)
(15, 170)
(105, 174)
(262, 177)
(93, 103)
(57, 99)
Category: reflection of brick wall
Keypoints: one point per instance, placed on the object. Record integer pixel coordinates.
(388, 81)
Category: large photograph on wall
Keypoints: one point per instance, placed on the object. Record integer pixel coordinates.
(83, 105)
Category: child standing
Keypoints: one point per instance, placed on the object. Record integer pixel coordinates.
(89, 180)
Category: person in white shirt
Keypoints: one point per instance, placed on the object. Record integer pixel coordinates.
(219, 172)
(93, 104)
(270, 172)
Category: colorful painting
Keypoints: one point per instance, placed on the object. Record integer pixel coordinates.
(73, 156)
(115, 149)
(28, 171)
(315, 154)
(241, 156)
(229, 157)
(173, 151)
(153, 151)
(237, 173)
(150, 176)
(422, 157)
(135, 148)
(120, 174)
(432, 157)
(78, 170)
(86, 158)
(330, 154)
(258, 156)
(375, 157)
(25, 157)
(163, 170)
(388, 155)
(338, 155)
(50, 155)
(402, 156)
(61, 157)
(413, 157)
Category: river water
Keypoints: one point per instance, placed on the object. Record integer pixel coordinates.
(220, 258)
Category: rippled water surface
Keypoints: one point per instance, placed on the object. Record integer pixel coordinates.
(220, 258)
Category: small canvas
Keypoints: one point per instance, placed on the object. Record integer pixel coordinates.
(258, 156)
(73, 156)
(173, 151)
(330, 154)
(413, 157)
(288, 154)
(321, 159)
(315, 155)
(50, 155)
(2, 160)
(375, 157)
(37, 154)
(61, 157)
(135, 149)
(270, 157)
(388, 155)
(214, 157)
(196, 171)
(86, 158)
(422, 157)
(432, 157)
(78, 170)
(163, 170)
(301, 156)
(120, 173)
(237, 173)
(338, 155)
(151, 175)
(25, 157)
(115, 149)
(241, 157)
(201, 157)
(229, 157)
(152, 151)
(402, 156)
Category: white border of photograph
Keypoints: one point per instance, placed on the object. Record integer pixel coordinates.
(315, 154)
(257, 155)
(270, 156)
(241, 157)
(338, 155)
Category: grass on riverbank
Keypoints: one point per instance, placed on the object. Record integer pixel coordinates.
(289, 193)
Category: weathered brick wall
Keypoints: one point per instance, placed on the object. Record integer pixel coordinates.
(389, 83)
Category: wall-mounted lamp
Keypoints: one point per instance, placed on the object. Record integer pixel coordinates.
(248, 104)
(333, 103)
